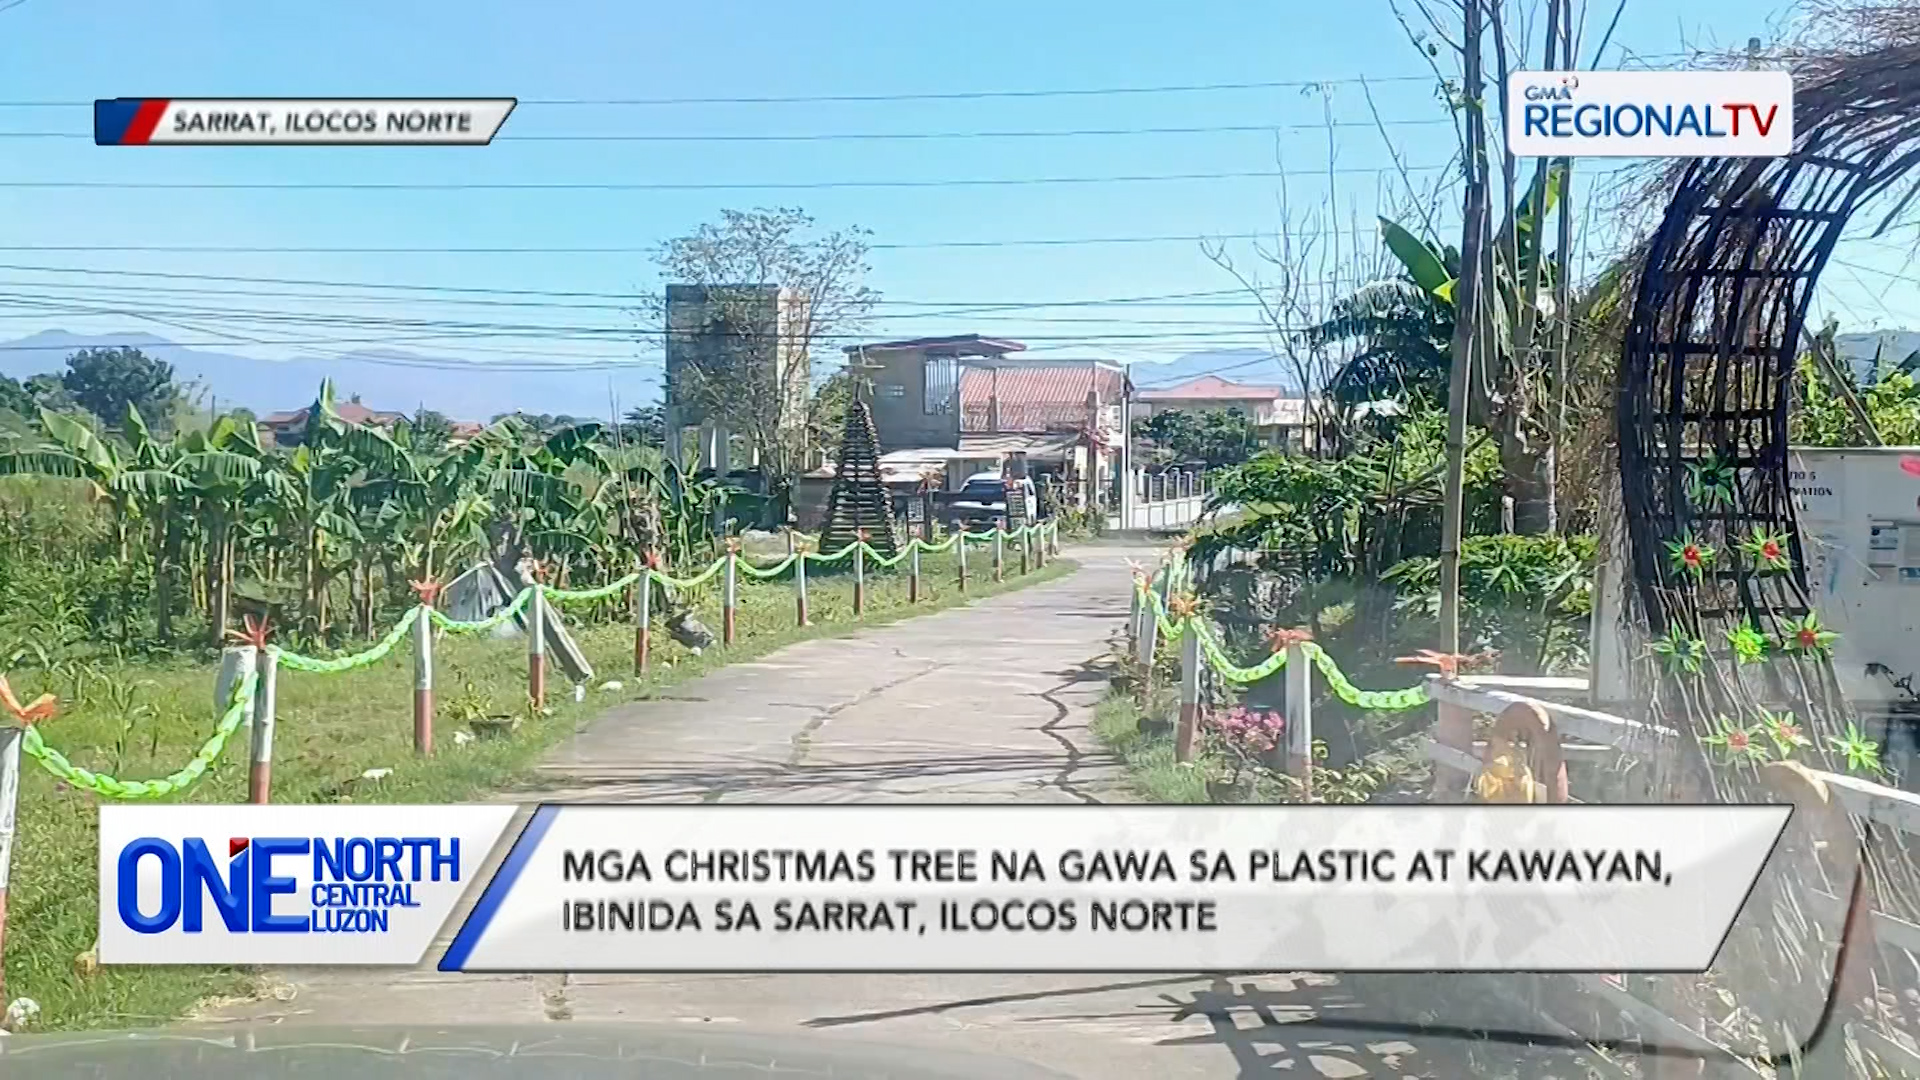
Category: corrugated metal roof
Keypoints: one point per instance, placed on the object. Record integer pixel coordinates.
(1035, 397)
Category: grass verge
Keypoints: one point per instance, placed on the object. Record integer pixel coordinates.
(138, 720)
(1145, 746)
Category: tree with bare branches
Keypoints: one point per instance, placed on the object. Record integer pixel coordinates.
(773, 287)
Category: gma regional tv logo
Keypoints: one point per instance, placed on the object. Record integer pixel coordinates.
(1650, 114)
(307, 885)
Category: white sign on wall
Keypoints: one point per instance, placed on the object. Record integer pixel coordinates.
(1651, 114)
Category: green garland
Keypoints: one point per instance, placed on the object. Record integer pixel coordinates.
(600, 593)
(1370, 700)
(358, 660)
(100, 784)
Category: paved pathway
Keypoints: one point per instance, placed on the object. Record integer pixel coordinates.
(985, 703)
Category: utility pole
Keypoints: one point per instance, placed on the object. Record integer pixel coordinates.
(1126, 448)
(1466, 327)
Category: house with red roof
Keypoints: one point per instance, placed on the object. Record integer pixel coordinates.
(1278, 419)
(288, 428)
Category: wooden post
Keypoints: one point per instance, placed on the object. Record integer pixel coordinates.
(1300, 717)
(999, 550)
(913, 571)
(643, 622)
(859, 577)
(260, 762)
(537, 646)
(9, 815)
(423, 682)
(960, 550)
(800, 586)
(730, 599)
(1188, 731)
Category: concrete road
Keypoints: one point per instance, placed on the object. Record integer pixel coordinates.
(984, 703)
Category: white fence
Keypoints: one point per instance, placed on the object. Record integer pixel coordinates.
(1164, 500)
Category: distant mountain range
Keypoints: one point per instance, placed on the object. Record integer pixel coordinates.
(389, 379)
(1257, 367)
(463, 389)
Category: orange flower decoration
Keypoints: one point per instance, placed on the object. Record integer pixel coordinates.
(1283, 639)
(1184, 607)
(1447, 664)
(427, 589)
(733, 545)
(254, 634)
(860, 535)
(654, 561)
(39, 709)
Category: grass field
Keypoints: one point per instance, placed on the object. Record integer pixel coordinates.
(138, 721)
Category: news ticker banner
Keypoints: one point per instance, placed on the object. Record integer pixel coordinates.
(920, 888)
(298, 122)
(1650, 114)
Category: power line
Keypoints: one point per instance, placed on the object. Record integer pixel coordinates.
(944, 95)
(470, 290)
(805, 185)
(187, 294)
(254, 249)
(890, 136)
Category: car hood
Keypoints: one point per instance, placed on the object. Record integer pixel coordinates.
(508, 1052)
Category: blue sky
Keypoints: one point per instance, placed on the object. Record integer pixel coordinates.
(71, 51)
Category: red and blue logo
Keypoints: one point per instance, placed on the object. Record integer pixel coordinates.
(127, 121)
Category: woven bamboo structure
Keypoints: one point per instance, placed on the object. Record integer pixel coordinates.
(1705, 378)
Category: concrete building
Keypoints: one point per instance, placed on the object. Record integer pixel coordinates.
(965, 404)
(736, 360)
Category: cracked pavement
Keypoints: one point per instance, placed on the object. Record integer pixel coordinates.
(985, 703)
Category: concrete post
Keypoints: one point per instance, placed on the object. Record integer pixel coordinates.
(860, 576)
(643, 622)
(960, 552)
(913, 571)
(800, 587)
(999, 549)
(9, 815)
(260, 760)
(730, 600)
(423, 682)
(1300, 717)
(537, 646)
(1188, 732)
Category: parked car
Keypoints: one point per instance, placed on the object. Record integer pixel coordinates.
(982, 500)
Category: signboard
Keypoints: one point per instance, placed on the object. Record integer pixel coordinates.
(1819, 493)
(1650, 114)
